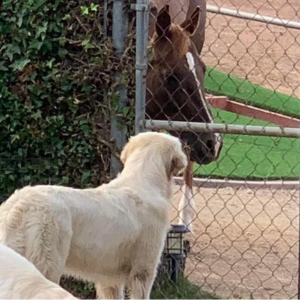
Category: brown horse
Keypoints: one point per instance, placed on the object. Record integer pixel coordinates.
(175, 91)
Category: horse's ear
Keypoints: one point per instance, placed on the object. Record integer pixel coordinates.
(163, 21)
(190, 25)
(153, 9)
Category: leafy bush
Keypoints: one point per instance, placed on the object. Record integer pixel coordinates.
(57, 68)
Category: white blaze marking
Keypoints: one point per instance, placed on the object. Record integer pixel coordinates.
(187, 208)
(192, 67)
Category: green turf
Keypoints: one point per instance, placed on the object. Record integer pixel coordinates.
(253, 157)
(183, 289)
(244, 91)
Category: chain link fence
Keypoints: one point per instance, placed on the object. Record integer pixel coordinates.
(245, 239)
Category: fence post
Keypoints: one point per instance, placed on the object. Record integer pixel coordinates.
(118, 128)
(142, 23)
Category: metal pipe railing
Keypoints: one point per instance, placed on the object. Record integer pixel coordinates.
(222, 128)
(253, 17)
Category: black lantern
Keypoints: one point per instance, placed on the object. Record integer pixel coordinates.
(175, 251)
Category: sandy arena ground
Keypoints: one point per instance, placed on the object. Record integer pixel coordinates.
(246, 242)
(264, 54)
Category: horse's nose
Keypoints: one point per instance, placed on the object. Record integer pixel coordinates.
(210, 145)
(214, 147)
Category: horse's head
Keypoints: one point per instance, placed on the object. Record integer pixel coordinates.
(175, 84)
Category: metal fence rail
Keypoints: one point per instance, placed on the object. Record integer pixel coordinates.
(223, 128)
(252, 17)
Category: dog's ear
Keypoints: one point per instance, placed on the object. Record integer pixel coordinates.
(153, 9)
(178, 163)
(125, 152)
(123, 156)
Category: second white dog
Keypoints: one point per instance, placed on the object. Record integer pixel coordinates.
(19, 279)
(111, 235)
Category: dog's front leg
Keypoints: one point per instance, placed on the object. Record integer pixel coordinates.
(141, 284)
(111, 292)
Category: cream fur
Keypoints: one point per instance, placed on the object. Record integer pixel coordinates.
(112, 235)
(19, 279)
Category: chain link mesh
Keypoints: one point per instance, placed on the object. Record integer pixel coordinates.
(245, 236)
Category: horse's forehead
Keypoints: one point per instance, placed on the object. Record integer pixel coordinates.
(178, 43)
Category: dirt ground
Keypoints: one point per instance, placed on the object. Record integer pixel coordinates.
(246, 242)
(268, 55)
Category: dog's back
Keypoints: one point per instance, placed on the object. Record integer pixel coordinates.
(19, 279)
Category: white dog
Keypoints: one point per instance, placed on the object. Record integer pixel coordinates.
(112, 235)
(19, 279)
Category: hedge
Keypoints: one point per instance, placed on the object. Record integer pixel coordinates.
(57, 91)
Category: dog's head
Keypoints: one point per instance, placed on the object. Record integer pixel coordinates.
(157, 147)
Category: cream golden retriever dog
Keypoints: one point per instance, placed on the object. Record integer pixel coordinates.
(19, 279)
(112, 235)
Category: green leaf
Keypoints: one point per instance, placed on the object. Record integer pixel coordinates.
(94, 6)
(12, 49)
(86, 89)
(2, 67)
(126, 111)
(84, 10)
(35, 44)
(49, 63)
(20, 20)
(85, 42)
(85, 175)
(62, 52)
(38, 4)
(14, 137)
(85, 129)
(65, 180)
(47, 45)
(41, 29)
(87, 45)
(37, 115)
(20, 64)
(66, 17)
(57, 2)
